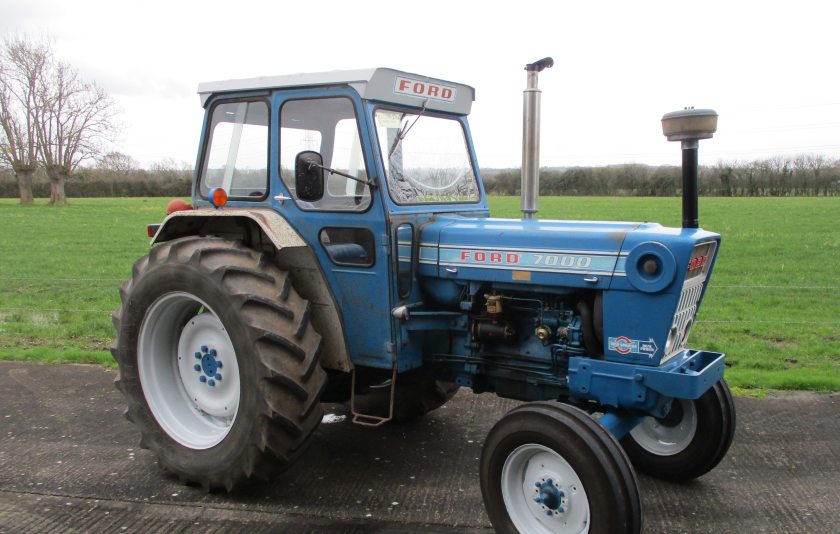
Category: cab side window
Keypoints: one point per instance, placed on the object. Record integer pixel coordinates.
(327, 126)
(236, 157)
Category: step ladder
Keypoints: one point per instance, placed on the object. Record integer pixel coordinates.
(368, 419)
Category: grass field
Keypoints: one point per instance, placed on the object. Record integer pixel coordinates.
(773, 305)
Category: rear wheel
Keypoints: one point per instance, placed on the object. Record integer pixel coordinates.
(688, 442)
(548, 467)
(218, 362)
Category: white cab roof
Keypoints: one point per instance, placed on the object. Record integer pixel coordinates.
(385, 85)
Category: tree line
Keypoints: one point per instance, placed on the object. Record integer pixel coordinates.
(803, 175)
(55, 127)
(115, 175)
(119, 175)
(50, 118)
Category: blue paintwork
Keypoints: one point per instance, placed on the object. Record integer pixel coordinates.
(551, 251)
(362, 294)
(620, 425)
(458, 252)
(208, 365)
(571, 254)
(685, 376)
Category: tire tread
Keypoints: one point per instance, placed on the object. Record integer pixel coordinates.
(292, 379)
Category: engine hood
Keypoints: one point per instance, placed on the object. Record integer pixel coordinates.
(568, 253)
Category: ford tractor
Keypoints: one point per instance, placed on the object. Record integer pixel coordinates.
(339, 248)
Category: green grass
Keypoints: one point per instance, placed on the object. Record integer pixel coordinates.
(60, 273)
(773, 305)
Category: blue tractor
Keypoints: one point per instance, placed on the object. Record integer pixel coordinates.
(339, 249)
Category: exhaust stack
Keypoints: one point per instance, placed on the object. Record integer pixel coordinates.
(531, 138)
(689, 126)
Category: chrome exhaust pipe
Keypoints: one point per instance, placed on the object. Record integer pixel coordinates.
(531, 138)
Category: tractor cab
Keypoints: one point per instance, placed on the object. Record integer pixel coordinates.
(351, 163)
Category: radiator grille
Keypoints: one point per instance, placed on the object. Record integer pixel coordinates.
(689, 299)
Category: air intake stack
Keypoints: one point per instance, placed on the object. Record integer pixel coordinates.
(531, 138)
(689, 126)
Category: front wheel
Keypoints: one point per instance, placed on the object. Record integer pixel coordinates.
(218, 362)
(548, 467)
(688, 442)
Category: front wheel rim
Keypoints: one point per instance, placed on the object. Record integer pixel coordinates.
(666, 437)
(542, 492)
(188, 370)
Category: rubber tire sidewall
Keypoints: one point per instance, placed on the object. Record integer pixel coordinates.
(188, 278)
(714, 434)
(588, 457)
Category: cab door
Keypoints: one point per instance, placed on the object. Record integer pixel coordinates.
(346, 228)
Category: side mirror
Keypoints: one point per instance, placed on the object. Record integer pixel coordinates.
(309, 176)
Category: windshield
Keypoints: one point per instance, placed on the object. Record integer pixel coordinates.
(426, 158)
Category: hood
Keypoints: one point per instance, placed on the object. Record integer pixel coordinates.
(568, 253)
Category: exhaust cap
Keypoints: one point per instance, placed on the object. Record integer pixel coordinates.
(689, 124)
(538, 66)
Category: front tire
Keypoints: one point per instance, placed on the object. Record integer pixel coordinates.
(547, 467)
(687, 443)
(218, 362)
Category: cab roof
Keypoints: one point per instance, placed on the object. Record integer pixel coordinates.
(380, 84)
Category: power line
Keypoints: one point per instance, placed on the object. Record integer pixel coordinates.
(50, 279)
(816, 288)
(823, 323)
(53, 310)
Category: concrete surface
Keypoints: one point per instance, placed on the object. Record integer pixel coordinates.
(69, 462)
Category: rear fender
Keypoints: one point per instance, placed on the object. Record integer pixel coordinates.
(267, 231)
(196, 222)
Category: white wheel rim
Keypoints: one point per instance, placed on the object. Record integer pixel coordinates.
(664, 438)
(188, 370)
(534, 472)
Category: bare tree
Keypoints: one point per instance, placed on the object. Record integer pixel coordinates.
(23, 65)
(118, 163)
(75, 122)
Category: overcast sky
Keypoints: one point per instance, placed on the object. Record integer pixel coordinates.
(770, 69)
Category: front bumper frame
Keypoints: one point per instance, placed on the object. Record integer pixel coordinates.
(643, 389)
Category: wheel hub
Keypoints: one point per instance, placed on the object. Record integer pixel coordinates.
(542, 492)
(550, 496)
(670, 435)
(202, 346)
(209, 366)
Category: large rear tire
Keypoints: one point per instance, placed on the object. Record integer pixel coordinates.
(218, 362)
(547, 467)
(687, 443)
